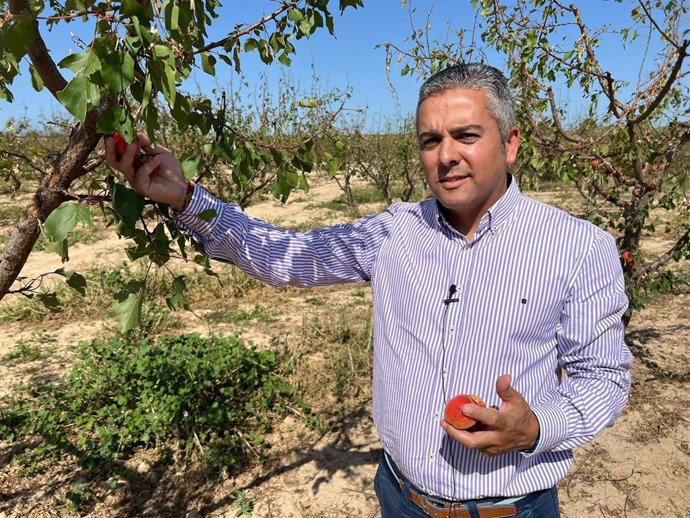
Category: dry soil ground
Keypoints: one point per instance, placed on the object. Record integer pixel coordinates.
(637, 469)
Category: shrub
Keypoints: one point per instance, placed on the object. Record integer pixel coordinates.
(217, 395)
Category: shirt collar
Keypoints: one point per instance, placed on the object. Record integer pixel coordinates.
(497, 215)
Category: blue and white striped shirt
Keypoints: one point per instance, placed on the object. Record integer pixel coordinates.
(540, 296)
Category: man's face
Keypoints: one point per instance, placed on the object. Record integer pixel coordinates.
(462, 156)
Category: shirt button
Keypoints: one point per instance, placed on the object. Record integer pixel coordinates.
(452, 330)
(431, 456)
(436, 415)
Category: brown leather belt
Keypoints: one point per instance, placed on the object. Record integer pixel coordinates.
(455, 510)
(437, 509)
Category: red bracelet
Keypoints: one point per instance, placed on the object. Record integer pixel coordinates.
(187, 196)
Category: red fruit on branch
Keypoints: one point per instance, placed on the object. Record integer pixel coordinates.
(454, 415)
(595, 163)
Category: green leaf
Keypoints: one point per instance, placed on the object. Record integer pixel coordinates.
(36, 80)
(61, 248)
(344, 4)
(133, 8)
(127, 305)
(128, 204)
(285, 59)
(251, 44)
(50, 301)
(163, 72)
(208, 63)
(190, 167)
(207, 215)
(117, 70)
(87, 62)
(75, 5)
(16, 34)
(172, 15)
(62, 220)
(78, 95)
(76, 281)
(117, 119)
(178, 298)
(306, 27)
(295, 15)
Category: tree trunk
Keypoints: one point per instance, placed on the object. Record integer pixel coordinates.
(68, 166)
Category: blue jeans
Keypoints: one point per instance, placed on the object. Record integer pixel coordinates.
(395, 503)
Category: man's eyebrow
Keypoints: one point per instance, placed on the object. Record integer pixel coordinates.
(467, 128)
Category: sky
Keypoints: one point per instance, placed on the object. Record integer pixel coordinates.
(350, 59)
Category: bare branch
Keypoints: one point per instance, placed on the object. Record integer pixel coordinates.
(557, 120)
(648, 13)
(680, 142)
(611, 94)
(246, 30)
(26, 159)
(683, 242)
(682, 54)
(606, 194)
(605, 80)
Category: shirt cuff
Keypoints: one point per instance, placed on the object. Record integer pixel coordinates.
(553, 429)
(203, 212)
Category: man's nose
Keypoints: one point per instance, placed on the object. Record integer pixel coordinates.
(449, 153)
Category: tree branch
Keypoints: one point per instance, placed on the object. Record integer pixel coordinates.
(557, 121)
(683, 242)
(39, 54)
(242, 32)
(682, 54)
(657, 27)
(26, 159)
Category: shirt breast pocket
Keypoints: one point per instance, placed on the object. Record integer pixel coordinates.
(532, 320)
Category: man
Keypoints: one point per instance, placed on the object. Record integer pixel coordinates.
(479, 290)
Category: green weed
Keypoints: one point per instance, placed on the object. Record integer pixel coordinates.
(243, 503)
(235, 315)
(344, 337)
(215, 395)
(24, 351)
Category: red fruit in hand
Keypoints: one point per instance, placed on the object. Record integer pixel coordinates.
(120, 144)
(454, 415)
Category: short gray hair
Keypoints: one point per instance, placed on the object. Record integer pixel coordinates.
(476, 76)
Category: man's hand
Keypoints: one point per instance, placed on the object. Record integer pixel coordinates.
(513, 427)
(159, 176)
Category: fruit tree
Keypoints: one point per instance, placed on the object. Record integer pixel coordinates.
(127, 77)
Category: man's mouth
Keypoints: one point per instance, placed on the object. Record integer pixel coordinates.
(453, 180)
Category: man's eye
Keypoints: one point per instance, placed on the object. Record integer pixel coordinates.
(429, 142)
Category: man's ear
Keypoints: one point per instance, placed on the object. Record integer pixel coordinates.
(512, 144)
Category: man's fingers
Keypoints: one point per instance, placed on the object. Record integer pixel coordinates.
(483, 441)
(504, 389)
(487, 416)
(110, 155)
(143, 174)
(145, 144)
